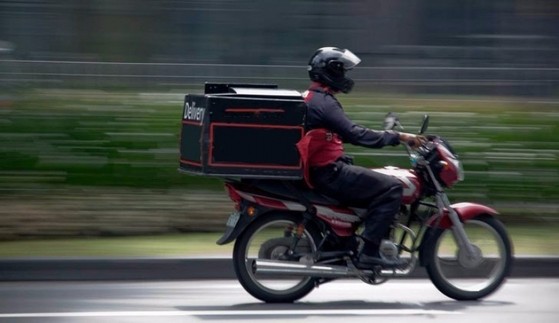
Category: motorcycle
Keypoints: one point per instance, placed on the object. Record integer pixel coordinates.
(290, 239)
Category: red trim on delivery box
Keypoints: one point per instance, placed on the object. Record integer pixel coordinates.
(190, 162)
(248, 125)
(192, 123)
(254, 110)
(243, 125)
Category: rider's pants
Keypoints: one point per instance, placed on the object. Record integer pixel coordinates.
(357, 186)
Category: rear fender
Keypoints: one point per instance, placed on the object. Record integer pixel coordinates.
(262, 204)
(465, 211)
(232, 231)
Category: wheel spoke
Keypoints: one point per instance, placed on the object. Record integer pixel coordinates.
(273, 242)
(272, 239)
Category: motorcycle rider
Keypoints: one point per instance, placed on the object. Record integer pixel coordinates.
(330, 171)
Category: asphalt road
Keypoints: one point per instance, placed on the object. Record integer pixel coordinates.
(412, 300)
(187, 269)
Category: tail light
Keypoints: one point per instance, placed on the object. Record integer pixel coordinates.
(234, 196)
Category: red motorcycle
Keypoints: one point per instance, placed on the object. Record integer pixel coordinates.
(290, 239)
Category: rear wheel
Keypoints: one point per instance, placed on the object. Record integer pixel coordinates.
(462, 277)
(270, 237)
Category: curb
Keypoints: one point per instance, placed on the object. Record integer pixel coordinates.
(187, 269)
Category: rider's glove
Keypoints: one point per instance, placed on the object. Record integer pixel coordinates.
(412, 140)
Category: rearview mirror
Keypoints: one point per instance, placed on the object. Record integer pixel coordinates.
(390, 121)
(424, 125)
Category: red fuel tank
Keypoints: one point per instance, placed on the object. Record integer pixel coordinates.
(409, 180)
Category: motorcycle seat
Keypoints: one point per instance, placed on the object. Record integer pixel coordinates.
(279, 189)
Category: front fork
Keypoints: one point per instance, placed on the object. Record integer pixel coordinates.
(457, 227)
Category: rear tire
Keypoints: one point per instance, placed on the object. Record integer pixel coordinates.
(269, 238)
(460, 277)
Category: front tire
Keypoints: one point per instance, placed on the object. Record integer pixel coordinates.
(269, 238)
(463, 278)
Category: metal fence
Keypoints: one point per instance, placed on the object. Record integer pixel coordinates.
(497, 47)
(461, 80)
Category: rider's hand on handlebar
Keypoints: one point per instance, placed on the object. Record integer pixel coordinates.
(412, 140)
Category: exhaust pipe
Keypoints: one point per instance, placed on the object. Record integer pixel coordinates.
(289, 268)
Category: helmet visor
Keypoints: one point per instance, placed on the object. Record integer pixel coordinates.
(349, 59)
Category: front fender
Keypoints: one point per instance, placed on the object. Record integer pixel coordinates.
(465, 211)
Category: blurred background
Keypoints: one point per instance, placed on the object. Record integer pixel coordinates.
(91, 99)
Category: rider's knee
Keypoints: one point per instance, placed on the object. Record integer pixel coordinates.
(396, 190)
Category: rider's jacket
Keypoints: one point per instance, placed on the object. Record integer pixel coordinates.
(328, 127)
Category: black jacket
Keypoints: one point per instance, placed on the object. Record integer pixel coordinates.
(324, 111)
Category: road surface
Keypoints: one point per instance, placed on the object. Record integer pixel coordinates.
(413, 300)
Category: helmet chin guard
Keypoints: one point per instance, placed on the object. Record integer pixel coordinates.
(329, 65)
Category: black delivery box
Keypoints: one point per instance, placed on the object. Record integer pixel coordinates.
(242, 130)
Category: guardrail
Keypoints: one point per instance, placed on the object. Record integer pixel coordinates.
(511, 80)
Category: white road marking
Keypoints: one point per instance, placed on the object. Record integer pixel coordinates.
(287, 312)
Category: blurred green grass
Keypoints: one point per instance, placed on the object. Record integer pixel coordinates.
(118, 139)
(509, 147)
(168, 245)
(91, 139)
(527, 240)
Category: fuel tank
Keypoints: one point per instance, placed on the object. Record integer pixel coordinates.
(409, 180)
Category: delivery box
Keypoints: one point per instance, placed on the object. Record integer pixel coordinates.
(242, 130)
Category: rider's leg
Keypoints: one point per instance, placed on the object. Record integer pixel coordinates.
(380, 215)
(358, 186)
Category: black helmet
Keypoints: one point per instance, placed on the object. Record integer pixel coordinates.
(328, 65)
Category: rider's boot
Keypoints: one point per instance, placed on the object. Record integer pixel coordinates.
(370, 257)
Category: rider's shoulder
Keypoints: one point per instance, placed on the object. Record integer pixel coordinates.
(321, 100)
(330, 100)
(323, 96)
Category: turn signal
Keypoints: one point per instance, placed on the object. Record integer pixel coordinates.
(251, 211)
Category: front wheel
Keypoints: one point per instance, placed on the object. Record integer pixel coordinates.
(461, 277)
(271, 237)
